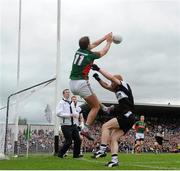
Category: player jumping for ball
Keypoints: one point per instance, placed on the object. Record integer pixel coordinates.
(79, 80)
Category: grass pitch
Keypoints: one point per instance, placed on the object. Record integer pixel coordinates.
(127, 162)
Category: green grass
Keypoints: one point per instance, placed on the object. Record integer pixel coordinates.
(128, 162)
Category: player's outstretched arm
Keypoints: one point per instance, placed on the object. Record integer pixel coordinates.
(106, 74)
(107, 46)
(109, 76)
(99, 41)
(103, 83)
(105, 49)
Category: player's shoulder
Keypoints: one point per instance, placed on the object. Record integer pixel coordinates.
(82, 52)
(94, 55)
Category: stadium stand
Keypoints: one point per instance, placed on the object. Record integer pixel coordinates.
(42, 136)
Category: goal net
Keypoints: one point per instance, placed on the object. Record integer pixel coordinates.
(32, 105)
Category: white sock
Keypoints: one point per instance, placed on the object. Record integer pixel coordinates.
(103, 148)
(81, 151)
(114, 158)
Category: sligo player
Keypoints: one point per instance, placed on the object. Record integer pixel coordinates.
(123, 119)
(159, 136)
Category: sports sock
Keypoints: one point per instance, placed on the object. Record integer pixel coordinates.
(81, 151)
(114, 158)
(103, 148)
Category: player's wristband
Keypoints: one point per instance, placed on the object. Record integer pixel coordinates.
(95, 67)
(96, 76)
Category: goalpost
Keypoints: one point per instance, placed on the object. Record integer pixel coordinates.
(2, 136)
(4, 128)
(7, 113)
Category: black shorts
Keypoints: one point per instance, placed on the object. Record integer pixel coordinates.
(125, 121)
(159, 140)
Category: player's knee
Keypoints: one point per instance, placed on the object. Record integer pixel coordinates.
(95, 108)
(104, 127)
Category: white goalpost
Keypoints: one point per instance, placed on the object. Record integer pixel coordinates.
(2, 132)
(2, 138)
(16, 101)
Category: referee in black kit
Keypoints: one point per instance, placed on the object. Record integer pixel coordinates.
(69, 128)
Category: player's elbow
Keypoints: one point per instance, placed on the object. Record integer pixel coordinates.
(106, 86)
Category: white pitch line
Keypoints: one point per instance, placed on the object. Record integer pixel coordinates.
(154, 167)
(92, 161)
(154, 162)
(139, 164)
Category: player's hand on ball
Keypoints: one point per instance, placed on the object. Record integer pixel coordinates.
(95, 67)
(96, 76)
(109, 38)
(109, 35)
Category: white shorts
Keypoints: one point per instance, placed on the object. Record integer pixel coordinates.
(81, 88)
(139, 136)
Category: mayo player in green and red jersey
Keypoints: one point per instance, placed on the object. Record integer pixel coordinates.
(140, 127)
(79, 84)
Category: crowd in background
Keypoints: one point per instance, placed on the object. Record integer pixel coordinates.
(170, 143)
(42, 140)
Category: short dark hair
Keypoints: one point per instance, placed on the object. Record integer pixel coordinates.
(65, 90)
(84, 42)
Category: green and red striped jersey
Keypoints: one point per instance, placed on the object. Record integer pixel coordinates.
(140, 127)
(82, 62)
